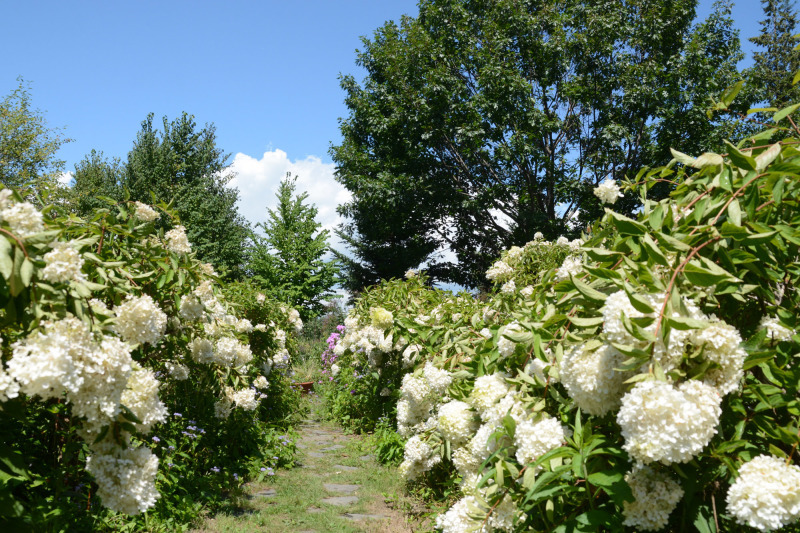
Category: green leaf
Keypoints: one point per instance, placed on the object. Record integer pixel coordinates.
(6, 258)
(730, 93)
(588, 292)
(625, 225)
(785, 112)
(684, 323)
(708, 159)
(682, 158)
(613, 484)
(761, 110)
(740, 159)
(637, 301)
(586, 322)
(765, 158)
(735, 212)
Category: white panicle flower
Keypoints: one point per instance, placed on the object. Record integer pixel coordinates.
(223, 408)
(63, 263)
(294, 319)
(281, 358)
(243, 355)
(663, 423)
(9, 388)
(562, 241)
(280, 338)
(381, 318)
(500, 271)
(260, 298)
(534, 439)
(457, 422)
(415, 388)
(140, 321)
(538, 236)
(572, 266)
(260, 327)
(141, 397)
(410, 355)
(487, 391)
(438, 379)
(335, 369)
(191, 308)
(177, 241)
(486, 333)
(351, 322)
(655, 497)
(205, 291)
(608, 191)
(202, 350)
(49, 363)
(776, 331)
(261, 383)
(385, 392)
(125, 479)
(245, 399)
(509, 287)
(145, 213)
(244, 326)
(226, 351)
(177, 371)
(411, 273)
(591, 379)
(457, 519)
(575, 245)
(419, 457)
(514, 254)
(504, 515)
(721, 345)
(208, 269)
(766, 495)
(526, 291)
(24, 219)
(505, 345)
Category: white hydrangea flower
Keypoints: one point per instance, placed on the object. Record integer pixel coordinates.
(721, 344)
(526, 291)
(381, 318)
(177, 241)
(418, 458)
(23, 218)
(125, 479)
(106, 375)
(281, 358)
(261, 383)
(562, 241)
(141, 397)
(655, 497)
(572, 266)
(591, 379)
(500, 271)
(486, 333)
(534, 439)
(410, 355)
(223, 408)
(514, 254)
(63, 263)
(766, 495)
(335, 369)
(505, 345)
(457, 519)
(668, 424)
(177, 371)
(145, 213)
(245, 399)
(488, 390)
(438, 379)
(202, 350)
(776, 331)
(504, 515)
(191, 308)
(140, 320)
(608, 191)
(9, 388)
(538, 236)
(411, 273)
(457, 422)
(244, 326)
(509, 287)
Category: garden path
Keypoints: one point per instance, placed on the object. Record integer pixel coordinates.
(336, 487)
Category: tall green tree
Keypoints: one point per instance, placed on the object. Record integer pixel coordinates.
(289, 261)
(776, 61)
(183, 165)
(480, 123)
(28, 145)
(96, 176)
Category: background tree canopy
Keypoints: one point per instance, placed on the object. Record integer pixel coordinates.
(482, 122)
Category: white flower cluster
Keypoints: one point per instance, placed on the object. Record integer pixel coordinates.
(500, 271)
(669, 424)
(505, 345)
(458, 520)
(766, 495)
(202, 350)
(145, 213)
(488, 390)
(591, 380)
(63, 263)
(534, 439)
(410, 355)
(655, 496)
(177, 241)
(776, 331)
(141, 397)
(140, 320)
(457, 422)
(191, 308)
(381, 318)
(509, 287)
(294, 320)
(572, 266)
(232, 353)
(23, 218)
(177, 372)
(261, 383)
(608, 191)
(418, 457)
(125, 478)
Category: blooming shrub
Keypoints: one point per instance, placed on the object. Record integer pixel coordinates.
(113, 337)
(633, 378)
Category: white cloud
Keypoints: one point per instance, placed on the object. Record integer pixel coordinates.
(65, 178)
(258, 181)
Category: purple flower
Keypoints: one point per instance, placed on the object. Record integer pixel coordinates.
(215, 469)
(263, 469)
(156, 439)
(236, 476)
(171, 448)
(178, 415)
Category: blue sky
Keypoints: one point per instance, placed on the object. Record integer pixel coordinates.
(264, 72)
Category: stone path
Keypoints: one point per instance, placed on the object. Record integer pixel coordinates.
(334, 488)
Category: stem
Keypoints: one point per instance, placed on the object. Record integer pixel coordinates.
(19, 242)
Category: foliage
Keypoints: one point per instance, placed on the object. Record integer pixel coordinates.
(96, 177)
(481, 123)
(183, 166)
(27, 145)
(770, 77)
(100, 317)
(690, 304)
(289, 261)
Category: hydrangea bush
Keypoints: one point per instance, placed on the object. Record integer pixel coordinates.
(126, 374)
(644, 380)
